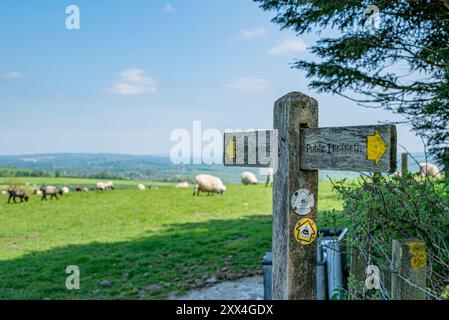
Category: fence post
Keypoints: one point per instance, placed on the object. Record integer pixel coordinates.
(409, 259)
(294, 263)
(404, 164)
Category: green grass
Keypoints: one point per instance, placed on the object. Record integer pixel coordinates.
(163, 237)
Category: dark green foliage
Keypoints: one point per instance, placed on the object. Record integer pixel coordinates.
(24, 173)
(412, 36)
(400, 208)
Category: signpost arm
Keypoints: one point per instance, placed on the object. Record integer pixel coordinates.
(294, 265)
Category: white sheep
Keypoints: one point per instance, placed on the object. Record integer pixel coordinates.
(269, 177)
(182, 185)
(37, 192)
(248, 178)
(65, 190)
(430, 170)
(141, 187)
(103, 186)
(4, 192)
(209, 184)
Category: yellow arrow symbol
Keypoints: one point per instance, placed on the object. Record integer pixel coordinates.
(231, 149)
(375, 147)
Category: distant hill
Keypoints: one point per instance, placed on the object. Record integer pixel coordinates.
(155, 168)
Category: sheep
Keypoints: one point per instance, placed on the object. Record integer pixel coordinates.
(50, 191)
(141, 187)
(430, 170)
(209, 184)
(37, 192)
(182, 185)
(81, 189)
(248, 178)
(4, 192)
(269, 177)
(65, 189)
(103, 186)
(17, 193)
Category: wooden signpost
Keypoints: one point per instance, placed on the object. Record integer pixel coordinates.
(296, 149)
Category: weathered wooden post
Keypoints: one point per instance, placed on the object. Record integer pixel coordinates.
(410, 262)
(357, 265)
(294, 262)
(404, 164)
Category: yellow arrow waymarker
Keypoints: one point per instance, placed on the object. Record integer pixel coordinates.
(231, 149)
(375, 147)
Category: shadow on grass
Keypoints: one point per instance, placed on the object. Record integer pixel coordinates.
(181, 257)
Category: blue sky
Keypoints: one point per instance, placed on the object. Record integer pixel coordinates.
(136, 70)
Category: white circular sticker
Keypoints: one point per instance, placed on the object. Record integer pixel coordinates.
(302, 202)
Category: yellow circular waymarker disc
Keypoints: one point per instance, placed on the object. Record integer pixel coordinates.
(305, 231)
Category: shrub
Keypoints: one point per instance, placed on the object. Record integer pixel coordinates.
(381, 209)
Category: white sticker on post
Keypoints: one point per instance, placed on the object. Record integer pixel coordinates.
(302, 202)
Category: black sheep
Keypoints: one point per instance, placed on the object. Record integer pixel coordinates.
(52, 192)
(17, 193)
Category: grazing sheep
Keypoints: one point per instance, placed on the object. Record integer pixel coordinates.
(104, 186)
(141, 187)
(101, 186)
(430, 170)
(269, 177)
(248, 178)
(37, 192)
(17, 193)
(182, 185)
(65, 190)
(50, 191)
(4, 192)
(81, 189)
(209, 184)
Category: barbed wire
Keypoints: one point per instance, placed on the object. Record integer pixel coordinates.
(396, 272)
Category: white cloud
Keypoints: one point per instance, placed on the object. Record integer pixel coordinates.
(289, 46)
(255, 33)
(13, 75)
(127, 89)
(134, 81)
(249, 84)
(169, 8)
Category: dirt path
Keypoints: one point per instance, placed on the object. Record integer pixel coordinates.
(243, 289)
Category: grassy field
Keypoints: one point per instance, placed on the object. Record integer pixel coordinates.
(146, 244)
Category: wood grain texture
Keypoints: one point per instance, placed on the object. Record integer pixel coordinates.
(404, 164)
(251, 149)
(410, 265)
(294, 265)
(345, 148)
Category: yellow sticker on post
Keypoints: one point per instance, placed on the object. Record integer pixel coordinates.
(305, 231)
